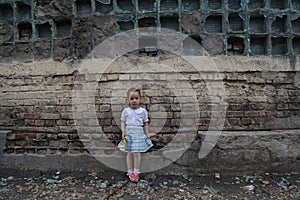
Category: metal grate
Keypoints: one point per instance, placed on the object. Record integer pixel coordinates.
(235, 46)
(25, 31)
(63, 28)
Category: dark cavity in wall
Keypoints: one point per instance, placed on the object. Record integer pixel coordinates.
(146, 5)
(296, 25)
(215, 4)
(23, 11)
(147, 22)
(169, 22)
(234, 4)
(6, 12)
(213, 24)
(255, 4)
(83, 7)
(125, 25)
(296, 4)
(257, 24)
(63, 28)
(192, 5)
(278, 4)
(279, 45)
(279, 25)
(125, 5)
(258, 45)
(296, 45)
(168, 5)
(44, 30)
(192, 45)
(25, 31)
(236, 23)
(235, 46)
(103, 8)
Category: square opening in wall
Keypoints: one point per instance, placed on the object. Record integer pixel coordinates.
(213, 24)
(147, 22)
(215, 4)
(44, 30)
(83, 7)
(192, 45)
(148, 46)
(296, 4)
(63, 28)
(236, 23)
(170, 22)
(296, 25)
(279, 25)
(279, 46)
(147, 5)
(258, 45)
(125, 25)
(234, 4)
(257, 24)
(103, 8)
(6, 12)
(23, 11)
(25, 31)
(125, 5)
(235, 45)
(279, 4)
(255, 4)
(168, 5)
(192, 5)
(296, 45)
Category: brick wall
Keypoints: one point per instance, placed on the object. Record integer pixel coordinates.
(39, 108)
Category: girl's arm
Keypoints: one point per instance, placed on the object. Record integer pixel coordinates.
(123, 129)
(146, 129)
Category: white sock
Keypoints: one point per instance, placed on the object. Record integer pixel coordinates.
(136, 171)
(129, 172)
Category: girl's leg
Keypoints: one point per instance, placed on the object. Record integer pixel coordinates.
(129, 162)
(137, 162)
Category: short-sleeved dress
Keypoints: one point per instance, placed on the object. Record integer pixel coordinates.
(137, 140)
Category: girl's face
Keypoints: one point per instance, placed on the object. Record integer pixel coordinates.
(134, 100)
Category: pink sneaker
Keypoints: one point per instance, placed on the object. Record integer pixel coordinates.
(135, 177)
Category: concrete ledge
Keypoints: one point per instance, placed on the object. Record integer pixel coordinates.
(235, 152)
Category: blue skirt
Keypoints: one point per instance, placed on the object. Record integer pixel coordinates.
(137, 140)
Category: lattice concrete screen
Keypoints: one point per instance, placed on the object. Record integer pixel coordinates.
(247, 27)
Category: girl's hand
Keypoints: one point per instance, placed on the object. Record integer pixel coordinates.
(149, 135)
(123, 135)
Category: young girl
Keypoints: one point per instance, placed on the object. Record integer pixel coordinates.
(134, 126)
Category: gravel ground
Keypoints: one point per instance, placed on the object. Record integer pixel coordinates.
(31, 184)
